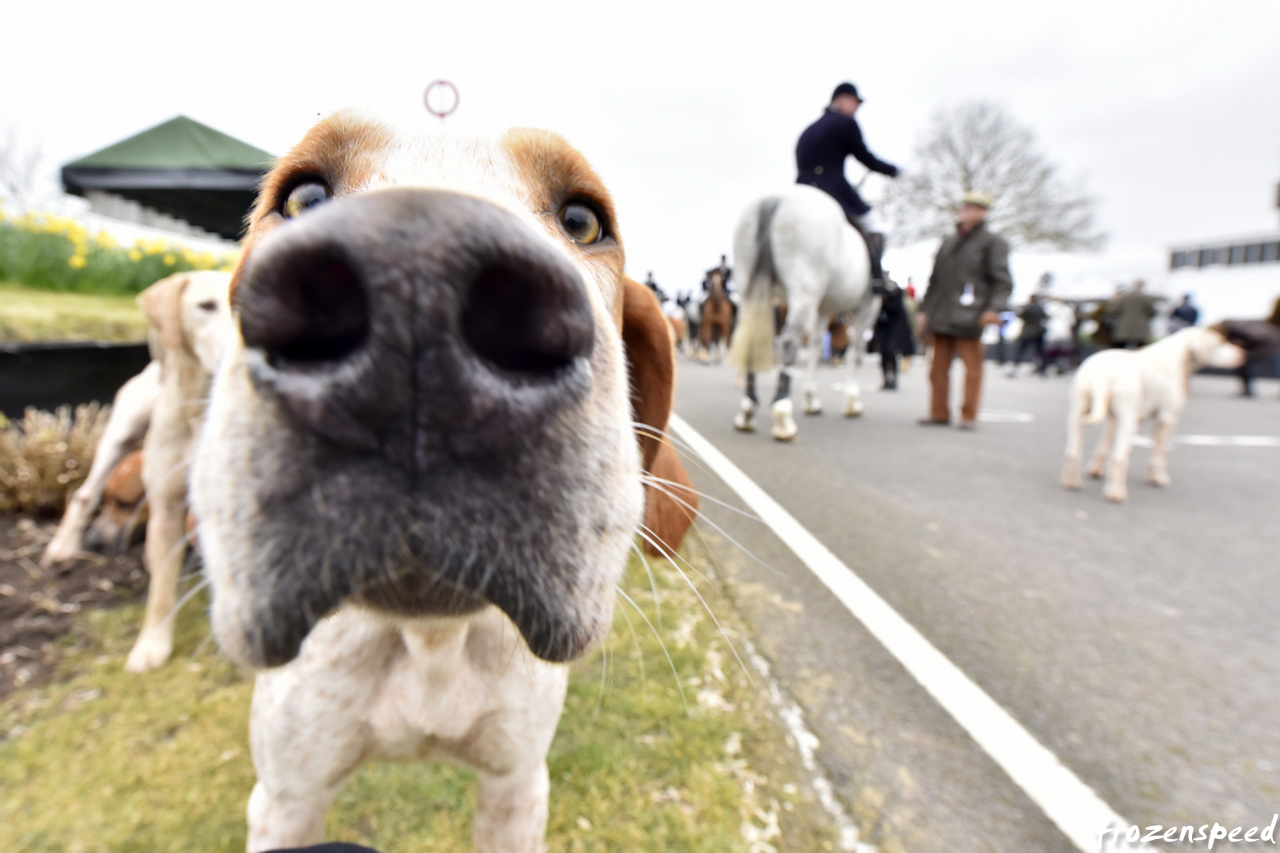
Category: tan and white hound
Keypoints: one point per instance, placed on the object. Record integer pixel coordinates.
(191, 320)
(420, 475)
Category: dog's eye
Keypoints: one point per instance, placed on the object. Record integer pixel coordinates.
(581, 223)
(207, 305)
(305, 196)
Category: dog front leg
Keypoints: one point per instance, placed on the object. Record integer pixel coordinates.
(511, 811)
(1158, 470)
(1116, 489)
(1075, 441)
(1098, 465)
(166, 546)
(279, 821)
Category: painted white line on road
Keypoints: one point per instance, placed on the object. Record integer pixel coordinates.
(1216, 440)
(1005, 416)
(1067, 801)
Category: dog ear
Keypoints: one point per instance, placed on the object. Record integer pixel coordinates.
(161, 304)
(651, 363)
(670, 506)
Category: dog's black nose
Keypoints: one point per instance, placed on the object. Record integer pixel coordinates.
(314, 311)
(526, 320)
(437, 318)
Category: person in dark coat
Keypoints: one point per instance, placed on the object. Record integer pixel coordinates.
(969, 287)
(1260, 340)
(1133, 312)
(653, 285)
(820, 155)
(1031, 337)
(1185, 314)
(891, 334)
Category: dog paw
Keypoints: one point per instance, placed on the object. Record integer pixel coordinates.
(1161, 480)
(150, 652)
(742, 423)
(1116, 496)
(55, 554)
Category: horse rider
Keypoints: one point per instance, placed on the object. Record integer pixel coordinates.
(726, 279)
(653, 286)
(820, 155)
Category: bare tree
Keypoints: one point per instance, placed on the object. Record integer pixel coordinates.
(20, 166)
(977, 146)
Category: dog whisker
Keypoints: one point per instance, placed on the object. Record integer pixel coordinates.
(661, 643)
(698, 514)
(653, 582)
(672, 558)
(660, 482)
(188, 595)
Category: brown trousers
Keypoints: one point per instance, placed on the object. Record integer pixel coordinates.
(946, 348)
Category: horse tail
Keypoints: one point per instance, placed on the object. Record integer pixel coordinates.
(752, 347)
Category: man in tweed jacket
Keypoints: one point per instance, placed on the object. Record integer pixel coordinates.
(968, 289)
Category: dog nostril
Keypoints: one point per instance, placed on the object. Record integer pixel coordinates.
(313, 310)
(531, 321)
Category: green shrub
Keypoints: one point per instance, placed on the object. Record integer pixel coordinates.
(55, 253)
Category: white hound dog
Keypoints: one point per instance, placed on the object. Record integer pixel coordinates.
(1125, 387)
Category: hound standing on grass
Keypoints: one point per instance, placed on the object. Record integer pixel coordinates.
(1125, 387)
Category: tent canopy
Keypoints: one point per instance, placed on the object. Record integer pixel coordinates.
(182, 168)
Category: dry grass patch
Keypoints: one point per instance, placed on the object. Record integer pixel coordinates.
(46, 455)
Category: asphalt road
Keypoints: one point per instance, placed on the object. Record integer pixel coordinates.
(1138, 642)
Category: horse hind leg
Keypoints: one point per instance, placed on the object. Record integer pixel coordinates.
(784, 422)
(812, 403)
(745, 420)
(852, 392)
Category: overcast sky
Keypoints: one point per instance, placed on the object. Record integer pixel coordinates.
(1166, 112)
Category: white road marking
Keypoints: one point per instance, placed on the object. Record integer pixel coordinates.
(1067, 801)
(1005, 416)
(1216, 440)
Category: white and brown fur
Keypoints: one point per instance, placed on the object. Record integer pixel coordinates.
(416, 527)
(1124, 388)
(126, 427)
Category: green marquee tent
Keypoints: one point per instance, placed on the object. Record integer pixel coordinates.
(181, 168)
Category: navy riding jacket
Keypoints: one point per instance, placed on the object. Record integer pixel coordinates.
(820, 157)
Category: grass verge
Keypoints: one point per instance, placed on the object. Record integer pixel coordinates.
(44, 315)
(650, 755)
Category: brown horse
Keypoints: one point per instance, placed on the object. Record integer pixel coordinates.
(717, 318)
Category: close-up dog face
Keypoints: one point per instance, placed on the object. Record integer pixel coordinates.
(426, 407)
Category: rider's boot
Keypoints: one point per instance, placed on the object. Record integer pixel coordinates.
(875, 245)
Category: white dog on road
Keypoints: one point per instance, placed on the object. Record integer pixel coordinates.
(1125, 387)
